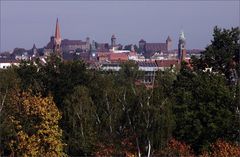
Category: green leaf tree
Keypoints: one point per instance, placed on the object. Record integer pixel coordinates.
(204, 108)
(222, 55)
(79, 122)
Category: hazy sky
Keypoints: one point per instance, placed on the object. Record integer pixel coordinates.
(26, 22)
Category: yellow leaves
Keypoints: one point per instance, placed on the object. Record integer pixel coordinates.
(37, 128)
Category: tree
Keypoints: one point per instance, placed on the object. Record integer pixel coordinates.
(204, 108)
(176, 148)
(146, 113)
(128, 73)
(79, 122)
(222, 54)
(222, 148)
(35, 123)
(129, 47)
(29, 75)
(8, 82)
(105, 95)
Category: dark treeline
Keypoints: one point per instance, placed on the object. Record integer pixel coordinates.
(64, 108)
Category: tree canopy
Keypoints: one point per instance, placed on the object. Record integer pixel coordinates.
(64, 108)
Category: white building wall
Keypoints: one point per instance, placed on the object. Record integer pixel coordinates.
(6, 65)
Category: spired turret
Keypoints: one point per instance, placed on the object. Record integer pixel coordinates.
(181, 47)
(34, 51)
(182, 36)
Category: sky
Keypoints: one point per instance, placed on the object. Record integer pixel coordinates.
(24, 23)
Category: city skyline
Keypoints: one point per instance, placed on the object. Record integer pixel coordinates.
(129, 21)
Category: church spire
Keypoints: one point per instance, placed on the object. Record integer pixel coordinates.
(57, 31)
(57, 38)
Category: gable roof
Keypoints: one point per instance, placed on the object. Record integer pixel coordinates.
(167, 63)
(50, 45)
(9, 60)
(67, 42)
(156, 47)
(118, 57)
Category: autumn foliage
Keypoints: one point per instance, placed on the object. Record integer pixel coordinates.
(106, 113)
(223, 148)
(176, 148)
(125, 148)
(35, 122)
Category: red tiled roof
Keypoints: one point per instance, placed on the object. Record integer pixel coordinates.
(118, 57)
(103, 54)
(167, 63)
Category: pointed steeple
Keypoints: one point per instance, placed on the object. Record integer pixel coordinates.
(57, 39)
(57, 31)
(34, 46)
(169, 39)
(34, 51)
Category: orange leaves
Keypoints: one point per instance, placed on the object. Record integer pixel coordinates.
(126, 147)
(177, 148)
(113, 150)
(222, 148)
(105, 150)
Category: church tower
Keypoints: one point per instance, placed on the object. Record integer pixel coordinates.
(169, 43)
(34, 51)
(181, 47)
(113, 41)
(57, 39)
